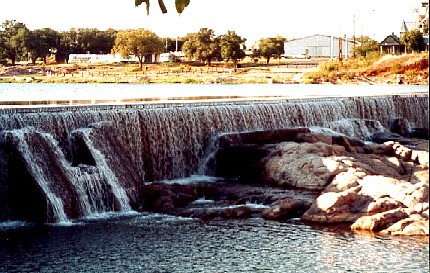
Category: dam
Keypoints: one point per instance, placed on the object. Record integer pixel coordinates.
(64, 162)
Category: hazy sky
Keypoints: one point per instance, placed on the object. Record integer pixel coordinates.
(251, 19)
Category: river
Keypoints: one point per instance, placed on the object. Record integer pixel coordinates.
(161, 243)
(147, 243)
(15, 95)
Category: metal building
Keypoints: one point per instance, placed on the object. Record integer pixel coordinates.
(319, 46)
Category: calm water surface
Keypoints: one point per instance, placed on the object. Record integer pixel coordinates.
(16, 93)
(160, 243)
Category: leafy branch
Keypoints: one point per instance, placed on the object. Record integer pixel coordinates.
(179, 4)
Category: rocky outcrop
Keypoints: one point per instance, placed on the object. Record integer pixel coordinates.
(386, 191)
(313, 176)
(223, 200)
(303, 165)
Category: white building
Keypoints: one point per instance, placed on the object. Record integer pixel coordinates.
(99, 58)
(171, 56)
(319, 46)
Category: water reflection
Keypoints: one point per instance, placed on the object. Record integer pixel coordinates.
(159, 243)
(43, 95)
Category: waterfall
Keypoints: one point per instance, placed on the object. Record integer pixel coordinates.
(102, 155)
(107, 176)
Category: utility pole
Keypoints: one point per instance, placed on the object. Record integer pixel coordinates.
(353, 40)
(339, 56)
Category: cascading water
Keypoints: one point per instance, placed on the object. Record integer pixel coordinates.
(107, 176)
(104, 154)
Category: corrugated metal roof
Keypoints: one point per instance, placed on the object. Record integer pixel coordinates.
(318, 46)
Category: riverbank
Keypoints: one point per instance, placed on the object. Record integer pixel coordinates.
(284, 72)
(404, 69)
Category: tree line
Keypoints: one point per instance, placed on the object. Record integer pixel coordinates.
(18, 43)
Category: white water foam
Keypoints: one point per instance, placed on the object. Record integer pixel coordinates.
(193, 179)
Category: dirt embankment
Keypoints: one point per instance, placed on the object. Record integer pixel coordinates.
(411, 68)
(389, 69)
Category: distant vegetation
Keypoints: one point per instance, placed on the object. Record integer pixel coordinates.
(18, 43)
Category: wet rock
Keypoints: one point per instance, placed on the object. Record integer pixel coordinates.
(421, 133)
(381, 137)
(240, 161)
(239, 154)
(261, 137)
(285, 209)
(228, 212)
(401, 126)
(314, 138)
(161, 197)
(240, 211)
(380, 221)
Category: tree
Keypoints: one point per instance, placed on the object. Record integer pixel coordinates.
(413, 41)
(12, 40)
(139, 43)
(367, 46)
(269, 47)
(40, 43)
(202, 46)
(85, 40)
(173, 44)
(179, 4)
(232, 47)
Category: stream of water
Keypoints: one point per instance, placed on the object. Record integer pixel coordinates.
(149, 243)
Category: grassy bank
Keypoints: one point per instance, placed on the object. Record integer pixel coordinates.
(388, 69)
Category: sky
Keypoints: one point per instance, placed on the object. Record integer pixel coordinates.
(250, 19)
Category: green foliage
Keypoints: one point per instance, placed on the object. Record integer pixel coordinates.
(12, 40)
(140, 42)
(85, 40)
(367, 47)
(232, 47)
(40, 43)
(413, 41)
(329, 67)
(426, 27)
(202, 46)
(271, 47)
(179, 4)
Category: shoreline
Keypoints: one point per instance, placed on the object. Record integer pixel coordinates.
(409, 69)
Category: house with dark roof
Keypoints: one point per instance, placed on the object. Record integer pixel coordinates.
(391, 45)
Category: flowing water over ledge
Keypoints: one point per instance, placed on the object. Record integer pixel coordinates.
(148, 243)
(93, 149)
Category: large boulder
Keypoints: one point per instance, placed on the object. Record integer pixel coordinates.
(380, 221)
(413, 225)
(303, 165)
(336, 207)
